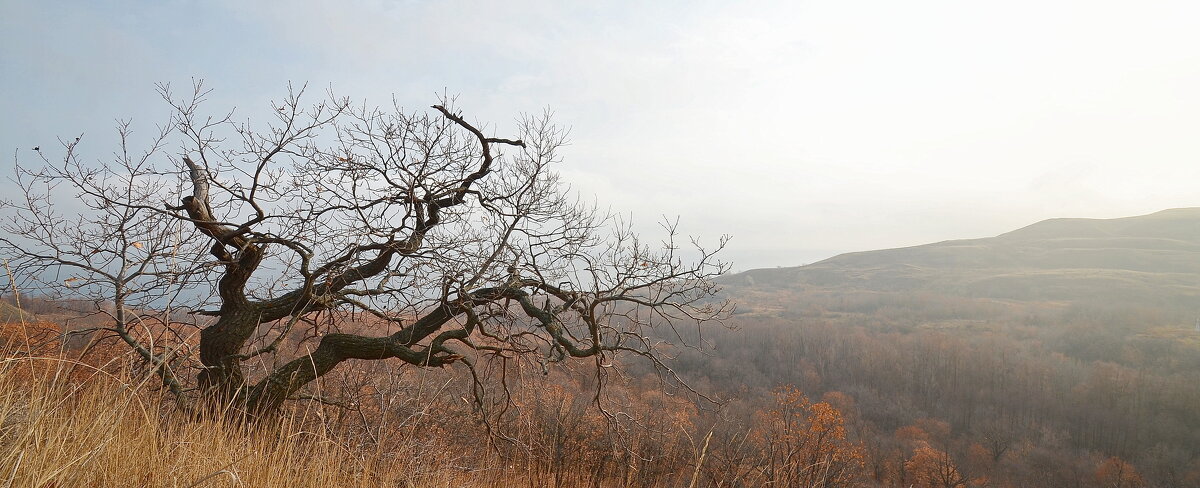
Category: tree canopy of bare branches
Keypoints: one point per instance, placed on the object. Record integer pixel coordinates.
(454, 245)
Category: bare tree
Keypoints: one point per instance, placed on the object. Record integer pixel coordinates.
(453, 245)
(86, 231)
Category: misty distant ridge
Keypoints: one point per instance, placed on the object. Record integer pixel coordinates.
(1152, 259)
(1180, 224)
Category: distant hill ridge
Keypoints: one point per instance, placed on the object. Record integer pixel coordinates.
(1176, 223)
(1152, 258)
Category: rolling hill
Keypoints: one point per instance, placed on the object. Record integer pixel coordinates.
(9, 313)
(1151, 260)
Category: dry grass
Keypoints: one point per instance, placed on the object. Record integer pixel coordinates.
(89, 422)
(110, 431)
(64, 423)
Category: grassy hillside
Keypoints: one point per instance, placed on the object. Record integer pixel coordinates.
(94, 417)
(9, 313)
(1153, 260)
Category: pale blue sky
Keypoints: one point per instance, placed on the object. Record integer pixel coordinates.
(801, 128)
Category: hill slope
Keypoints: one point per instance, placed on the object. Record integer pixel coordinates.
(9, 313)
(1152, 259)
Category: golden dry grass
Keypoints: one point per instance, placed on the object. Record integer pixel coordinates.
(64, 423)
(109, 430)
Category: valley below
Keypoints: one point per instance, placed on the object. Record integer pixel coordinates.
(1037, 355)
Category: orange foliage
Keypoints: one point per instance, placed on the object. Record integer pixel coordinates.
(979, 457)
(805, 443)
(1114, 472)
(841, 401)
(912, 435)
(938, 430)
(933, 468)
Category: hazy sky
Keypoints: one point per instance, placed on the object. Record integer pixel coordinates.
(802, 129)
